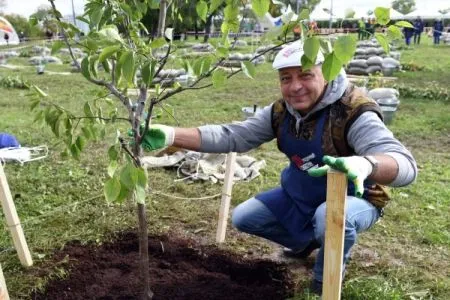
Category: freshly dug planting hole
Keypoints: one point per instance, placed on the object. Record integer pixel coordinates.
(179, 269)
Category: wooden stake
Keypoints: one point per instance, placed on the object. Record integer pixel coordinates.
(334, 235)
(226, 197)
(3, 290)
(13, 222)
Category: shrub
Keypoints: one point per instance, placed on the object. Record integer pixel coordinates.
(13, 82)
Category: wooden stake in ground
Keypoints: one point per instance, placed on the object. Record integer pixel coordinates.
(13, 222)
(3, 290)
(334, 235)
(226, 197)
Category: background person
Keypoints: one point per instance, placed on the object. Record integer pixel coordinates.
(408, 32)
(418, 29)
(361, 29)
(438, 27)
(314, 122)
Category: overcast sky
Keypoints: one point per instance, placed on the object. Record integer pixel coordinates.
(27, 7)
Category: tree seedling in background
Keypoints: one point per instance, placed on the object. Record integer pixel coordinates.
(118, 42)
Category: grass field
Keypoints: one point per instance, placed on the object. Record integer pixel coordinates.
(405, 256)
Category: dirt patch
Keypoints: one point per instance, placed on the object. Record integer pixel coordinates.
(179, 269)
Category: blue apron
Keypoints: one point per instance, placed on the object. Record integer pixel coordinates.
(295, 202)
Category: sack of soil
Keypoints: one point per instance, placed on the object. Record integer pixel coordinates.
(379, 93)
(373, 69)
(375, 60)
(358, 63)
(357, 71)
(389, 63)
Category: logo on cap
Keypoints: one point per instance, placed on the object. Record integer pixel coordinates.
(290, 51)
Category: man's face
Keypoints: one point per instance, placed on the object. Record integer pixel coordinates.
(302, 89)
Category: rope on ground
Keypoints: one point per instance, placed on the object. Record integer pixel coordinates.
(63, 208)
(185, 198)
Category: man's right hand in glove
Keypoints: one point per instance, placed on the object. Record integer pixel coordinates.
(158, 137)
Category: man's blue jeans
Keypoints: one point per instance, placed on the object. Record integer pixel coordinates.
(253, 217)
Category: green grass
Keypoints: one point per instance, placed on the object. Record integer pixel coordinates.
(433, 58)
(405, 256)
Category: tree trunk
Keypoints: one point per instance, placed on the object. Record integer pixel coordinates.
(143, 252)
(196, 31)
(162, 18)
(143, 225)
(208, 28)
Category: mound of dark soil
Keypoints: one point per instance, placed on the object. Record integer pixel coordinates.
(179, 269)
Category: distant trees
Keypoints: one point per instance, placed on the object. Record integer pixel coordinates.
(44, 17)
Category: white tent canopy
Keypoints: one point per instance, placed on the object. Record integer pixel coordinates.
(7, 28)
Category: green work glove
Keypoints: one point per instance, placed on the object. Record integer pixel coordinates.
(357, 169)
(157, 137)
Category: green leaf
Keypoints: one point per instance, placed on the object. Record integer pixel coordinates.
(382, 40)
(93, 66)
(148, 72)
(56, 46)
(158, 43)
(85, 68)
(127, 62)
(382, 14)
(110, 34)
(140, 194)
(304, 14)
(214, 5)
(307, 64)
(95, 16)
(206, 64)
(154, 4)
(127, 9)
(112, 167)
(331, 67)
(80, 142)
(325, 46)
(107, 52)
(68, 125)
(260, 7)
(87, 132)
(34, 104)
(403, 24)
(124, 193)
(106, 66)
(197, 66)
(129, 176)
(344, 48)
(222, 51)
(219, 77)
(248, 68)
(202, 10)
(88, 110)
(142, 177)
(75, 151)
(113, 154)
(118, 70)
(112, 189)
(393, 32)
(311, 48)
(231, 18)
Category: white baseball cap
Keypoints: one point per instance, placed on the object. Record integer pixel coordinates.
(291, 55)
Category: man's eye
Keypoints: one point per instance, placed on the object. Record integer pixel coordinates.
(306, 75)
(284, 78)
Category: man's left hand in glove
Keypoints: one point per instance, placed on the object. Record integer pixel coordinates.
(357, 169)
